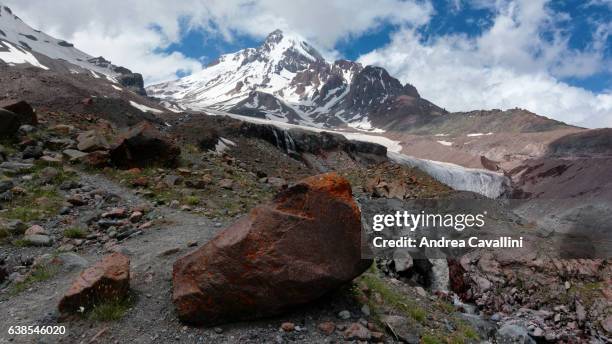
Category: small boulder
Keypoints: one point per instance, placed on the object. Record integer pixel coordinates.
(9, 123)
(108, 279)
(115, 213)
(32, 152)
(92, 140)
(513, 334)
(144, 145)
(283, 254)
(327, 327)
(356, 331)
(38, 240)
(73, 155)
(36, 229)
(226, 184)
(403, 329)
(288, 326)
(97, 159)
(24, 111)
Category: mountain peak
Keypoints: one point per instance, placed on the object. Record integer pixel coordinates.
(274, 36)
(279, 44)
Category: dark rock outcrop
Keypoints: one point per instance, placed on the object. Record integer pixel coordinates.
(9, 123)
(26, 113)
(296, 141)
(133, 82)
(283, 254)
(143, 145)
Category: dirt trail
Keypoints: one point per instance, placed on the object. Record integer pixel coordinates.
(152, 318)
(151, 254)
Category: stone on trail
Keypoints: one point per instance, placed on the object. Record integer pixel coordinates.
(107, 280)
(38, 240)
(291, 251)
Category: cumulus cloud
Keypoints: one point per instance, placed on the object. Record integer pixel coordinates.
(509, 65)
(134, 33)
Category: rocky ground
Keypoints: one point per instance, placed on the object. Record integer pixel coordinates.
(66, 205)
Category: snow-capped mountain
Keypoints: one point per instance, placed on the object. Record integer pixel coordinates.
(21, 44)
(286, 79)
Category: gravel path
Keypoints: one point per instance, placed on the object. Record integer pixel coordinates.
(152, 318)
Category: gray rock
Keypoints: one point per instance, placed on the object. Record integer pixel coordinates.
(72, 261)
(278, 183)
(73, 154)
(172, 180)
(59, 143)
(26, 129)
(16, 227)
(6, 185)
(496, 317)
(344, 315)
(92, 140)
(6, 196)
(38, 240)
(402, 260)
(420, 291)
(32, 152)
(402, 329)
(47, 174)
(513, 334)
(16, 167)
(486, 329)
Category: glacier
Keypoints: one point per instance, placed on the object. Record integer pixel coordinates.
(487, 183)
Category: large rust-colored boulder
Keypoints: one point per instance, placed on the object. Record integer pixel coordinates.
(303, 244)
(107, 280)
(143, 145)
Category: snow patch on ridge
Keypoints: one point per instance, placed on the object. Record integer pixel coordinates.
(144, 108)
(17, 55)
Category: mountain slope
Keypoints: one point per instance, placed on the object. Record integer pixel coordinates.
(287, 79)
(19, 44)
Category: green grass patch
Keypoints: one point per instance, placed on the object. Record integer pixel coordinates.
(588, 292)
(75, 233)
(430, 339)
(38, 274)
(39, 201)
(192, 200)
(111, 310)
(393, 298)
(21, 243)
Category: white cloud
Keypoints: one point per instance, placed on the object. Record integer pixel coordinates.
(122, 30)
(508, 66)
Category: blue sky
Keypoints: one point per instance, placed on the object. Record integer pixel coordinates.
(450, 18)
(552, 57)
